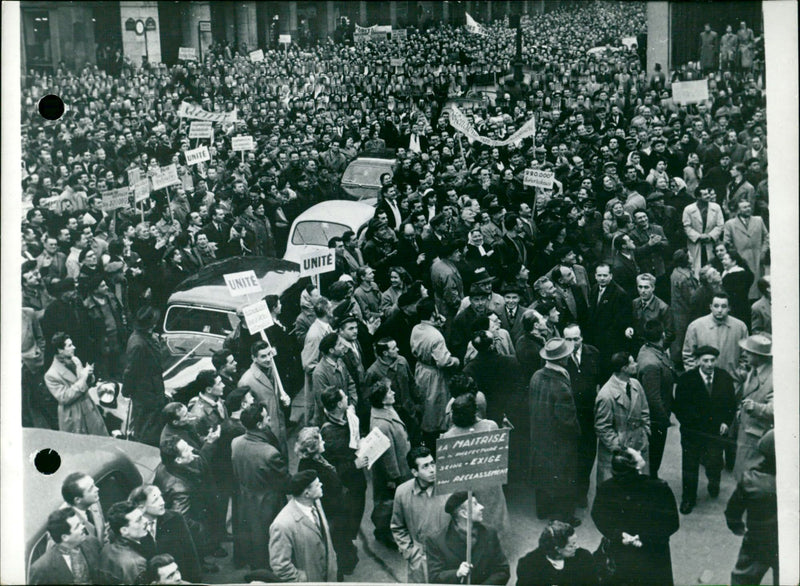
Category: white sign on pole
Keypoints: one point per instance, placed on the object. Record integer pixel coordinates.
(197, 155)
(165, 177)
(134, 175)
(200, 129)
(318, 262)
(690, 92)
(257, 317)
(243, 283)
(243, 143)
(141, 190)
(257, 55)
(538, 178)
(397, 62)
(285, 39)
(115, 199)
(187, 54)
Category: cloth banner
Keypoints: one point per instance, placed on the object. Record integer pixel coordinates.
(460, 122)
(186, 110)
(473, 26)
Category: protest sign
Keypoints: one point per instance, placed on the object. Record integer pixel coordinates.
(318, 262)
(472, 461)
(257, 317)
(243, 143)
(629, 42)
(197, 155)
(141, 190)
(165, 177)
(373, 446)
(186, 110)
(257, 56)
(243, 283)
(400, 34)
(115, 199)
(285, 39)
(134, 175)
(690, 92)
(460, 122)
(397, 62)
(187, 54)
(200, 129)
(538, 178)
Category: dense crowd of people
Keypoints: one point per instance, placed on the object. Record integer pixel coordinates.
(581, 316)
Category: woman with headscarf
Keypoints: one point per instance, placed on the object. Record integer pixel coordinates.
(558, 560)
(636, 514)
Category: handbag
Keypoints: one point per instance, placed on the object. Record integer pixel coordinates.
(604, 564)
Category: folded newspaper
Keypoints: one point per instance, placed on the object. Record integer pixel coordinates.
(373, 446)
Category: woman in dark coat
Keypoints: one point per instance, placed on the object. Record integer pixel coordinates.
(737, 278)
(309, 448)
(557, 561)
(637, 514)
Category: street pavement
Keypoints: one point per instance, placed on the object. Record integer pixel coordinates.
(703, 550)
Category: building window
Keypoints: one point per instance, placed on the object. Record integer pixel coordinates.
(36, 30)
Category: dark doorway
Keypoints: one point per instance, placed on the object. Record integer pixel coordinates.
(170, 17)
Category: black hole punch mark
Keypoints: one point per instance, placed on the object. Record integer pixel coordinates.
(47, 461)
(51, 107)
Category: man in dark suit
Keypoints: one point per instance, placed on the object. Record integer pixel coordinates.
(217, 230)
(167, 532)
(624, 264)
(388, 204)
(415, 140)
(75, 556)
(609, 316)
(511, 314)
(584, 373)
(705, 404)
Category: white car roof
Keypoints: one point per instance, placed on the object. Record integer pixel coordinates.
(349, 213)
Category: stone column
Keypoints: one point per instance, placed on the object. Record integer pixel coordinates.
(362, 13)
(194, 13)
(246, 24)
(330, 18)
(658, 36)
(292, 21)
(393, 13)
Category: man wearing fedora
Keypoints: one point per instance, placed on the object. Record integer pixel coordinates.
(705, 404)
(555, 432)
(755, 415)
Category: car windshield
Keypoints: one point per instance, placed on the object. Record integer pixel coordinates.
(193, 319)
(317, 233)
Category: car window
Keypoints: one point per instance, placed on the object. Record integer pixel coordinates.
(38, 550)
(194, 319)
(317, 233)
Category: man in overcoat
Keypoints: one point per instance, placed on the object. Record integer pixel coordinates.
(748, 235)
(609, 316)
(300, 545)
(621, 415)
(703, 223)
(705, 405)
(262, 476)
(555, 432)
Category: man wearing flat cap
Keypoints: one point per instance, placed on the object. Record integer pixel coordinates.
(555, 432)
(705, 404)
(461, 329)
(300, 546)
(447, 551)
(755, 416)
(142, 379)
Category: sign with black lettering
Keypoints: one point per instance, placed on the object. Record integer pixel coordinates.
(165, 177)
(243, 143)
(318, 262)
(243, 283)
(197, 155)
(257, 317)
(472, 461)
(115, 199)
(187, 54)
(200, 129)
(538, 178)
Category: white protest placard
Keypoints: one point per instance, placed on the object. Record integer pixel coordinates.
(187, 54)
(397, 62)
(186, 110)
(285, 39)
(538, 178)
(257, 317)
(373, 446)
(690, 92)
(243, 283)
(629, 42)
(115, 199)
(134, 175)
(243, 143)
(165, 177)
(318, 262)
(200, 129)
(256, 56)
(197, 155)
(399, 35)
(141, 189)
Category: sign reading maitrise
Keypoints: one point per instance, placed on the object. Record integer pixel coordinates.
(472, 461)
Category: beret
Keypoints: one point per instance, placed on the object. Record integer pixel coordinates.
(300, 481)
(703, 350)
(454, 501)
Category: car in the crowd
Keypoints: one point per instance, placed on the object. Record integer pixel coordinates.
(311, 230)
(201, 312)
(361, 179)
(117, 466)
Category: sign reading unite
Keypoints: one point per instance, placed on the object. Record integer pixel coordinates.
(318, 262)
(472, 461)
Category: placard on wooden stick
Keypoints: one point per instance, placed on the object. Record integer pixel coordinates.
(472, 461)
